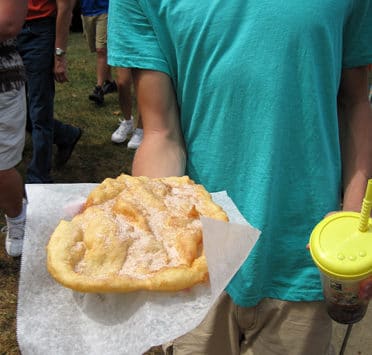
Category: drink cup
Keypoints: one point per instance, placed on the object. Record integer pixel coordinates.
(343, 301)
(342, 250)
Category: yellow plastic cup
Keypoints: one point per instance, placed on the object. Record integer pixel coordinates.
(341, 247)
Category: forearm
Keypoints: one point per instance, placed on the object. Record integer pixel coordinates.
(162, 151)
(357, 152)
(63, 22)
(12, 16)
(356, 122)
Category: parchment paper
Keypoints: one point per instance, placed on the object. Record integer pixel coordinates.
(52, 319)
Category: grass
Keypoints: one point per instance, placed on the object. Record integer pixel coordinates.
(93, 159)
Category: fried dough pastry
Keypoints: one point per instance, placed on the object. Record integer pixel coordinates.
(134, 233)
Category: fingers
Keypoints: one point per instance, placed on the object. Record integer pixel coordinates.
(330, 213)
(60, 77)
(74, 207)
(60, 69)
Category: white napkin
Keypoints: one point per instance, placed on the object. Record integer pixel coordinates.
(52, 319)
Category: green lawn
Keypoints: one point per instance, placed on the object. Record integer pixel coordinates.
(95, 157)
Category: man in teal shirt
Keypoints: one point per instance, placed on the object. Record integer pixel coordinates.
(243, 97)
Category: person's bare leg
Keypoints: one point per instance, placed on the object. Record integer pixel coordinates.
(11, 192)
(124, 83)
(102, 68)
(139, 122)
(11, 203)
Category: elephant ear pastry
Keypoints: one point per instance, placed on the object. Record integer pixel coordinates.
(134, 233)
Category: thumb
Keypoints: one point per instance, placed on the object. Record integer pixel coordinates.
(74, 207)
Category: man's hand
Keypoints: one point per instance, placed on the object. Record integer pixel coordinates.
(74, 207)
(60, 69)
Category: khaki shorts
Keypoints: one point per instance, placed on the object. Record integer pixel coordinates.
(12, 127)
(95, 31)
(272, 327)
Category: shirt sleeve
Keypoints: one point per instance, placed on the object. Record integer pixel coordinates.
(357, 37)
(131, 40)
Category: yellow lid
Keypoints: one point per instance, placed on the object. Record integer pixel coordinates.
(340, 249)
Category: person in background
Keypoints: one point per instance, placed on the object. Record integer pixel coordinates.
(94, 18)
(126, 125)
(42, 44)
(12, 124)
(204, 74)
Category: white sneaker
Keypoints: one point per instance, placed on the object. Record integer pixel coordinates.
(15, 231)
(124, 130)
(136, 139)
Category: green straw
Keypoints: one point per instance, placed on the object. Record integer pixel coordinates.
(366, 208)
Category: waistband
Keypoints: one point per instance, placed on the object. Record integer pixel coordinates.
(48, 19)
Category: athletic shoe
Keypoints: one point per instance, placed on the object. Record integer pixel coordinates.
(136, 139)
(124, 130)
(64, 152)
(97, 95)
(109, 87)
(15, 231)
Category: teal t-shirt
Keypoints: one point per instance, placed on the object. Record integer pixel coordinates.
(256, 82)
